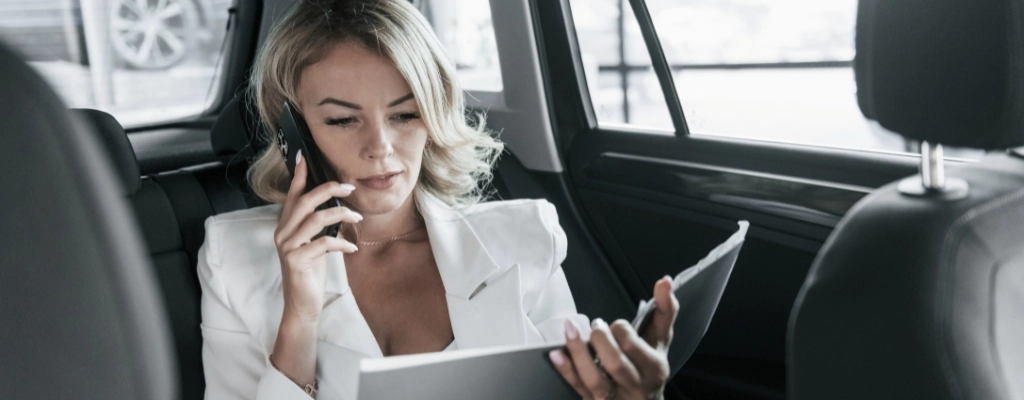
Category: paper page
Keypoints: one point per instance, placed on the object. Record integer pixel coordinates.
(737, 238)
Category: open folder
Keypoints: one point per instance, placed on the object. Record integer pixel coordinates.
(519, 372)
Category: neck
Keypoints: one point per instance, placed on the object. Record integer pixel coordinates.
(403, 219)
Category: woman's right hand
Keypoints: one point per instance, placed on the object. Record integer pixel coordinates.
(304, 269)
(303, 265)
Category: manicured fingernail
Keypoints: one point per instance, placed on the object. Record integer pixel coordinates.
(348, 186)
(598, 322)
(556, 357)
(667, 279)
(358, 217)
(298, 157)
(571, 332)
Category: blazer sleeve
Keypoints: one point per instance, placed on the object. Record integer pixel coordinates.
(235, 365)
(555, 304)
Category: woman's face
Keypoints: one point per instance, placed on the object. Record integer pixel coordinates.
(367, 124)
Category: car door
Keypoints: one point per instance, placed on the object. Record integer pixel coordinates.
(679, 118)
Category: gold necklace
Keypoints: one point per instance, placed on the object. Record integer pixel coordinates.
(388, 240)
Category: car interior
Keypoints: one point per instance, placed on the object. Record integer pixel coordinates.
(865, 274)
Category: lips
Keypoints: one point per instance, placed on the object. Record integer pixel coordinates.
(380, 182)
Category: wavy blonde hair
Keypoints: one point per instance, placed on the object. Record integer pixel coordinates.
(458, 160)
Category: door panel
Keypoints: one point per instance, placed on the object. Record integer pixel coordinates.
(656, 216)
(656, 204)
(817, 202)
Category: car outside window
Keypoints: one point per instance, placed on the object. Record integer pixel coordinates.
(143, 61)
(774, 70)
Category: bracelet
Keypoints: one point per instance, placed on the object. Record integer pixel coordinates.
(309, 388)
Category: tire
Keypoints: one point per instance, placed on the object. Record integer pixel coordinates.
(153, 34)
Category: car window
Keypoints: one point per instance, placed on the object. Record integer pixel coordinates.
(143, 61)
(623, 87)
(776, 70)
(464, 28)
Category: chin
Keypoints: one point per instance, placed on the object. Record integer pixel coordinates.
(381, 202)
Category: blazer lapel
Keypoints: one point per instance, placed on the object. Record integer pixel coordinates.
(484, 299)
(492, 317)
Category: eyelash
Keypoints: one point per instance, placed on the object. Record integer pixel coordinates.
(403, 118)
(406, 118)
(340, 121)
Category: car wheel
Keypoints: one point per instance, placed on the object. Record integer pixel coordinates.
(152, 34)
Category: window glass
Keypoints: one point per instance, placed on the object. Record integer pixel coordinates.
(623, 86)
(144, 61)
(464, 27)
(778, 70)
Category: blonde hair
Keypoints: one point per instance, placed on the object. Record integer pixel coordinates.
(458, 160)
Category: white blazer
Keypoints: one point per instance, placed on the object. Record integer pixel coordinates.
(499, 262)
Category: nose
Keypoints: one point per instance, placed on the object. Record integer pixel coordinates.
(378, 141)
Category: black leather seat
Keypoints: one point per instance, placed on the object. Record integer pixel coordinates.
(919, 292)
(171, 209)
(79, 314)
(235, 139)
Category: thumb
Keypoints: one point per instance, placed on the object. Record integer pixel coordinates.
(659, 333)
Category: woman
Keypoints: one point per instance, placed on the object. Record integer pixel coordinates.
(428, 268)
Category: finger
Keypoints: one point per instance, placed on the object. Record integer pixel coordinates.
(659, 333)
(316, 222)
(593, 379)
(651, 364)
(564, 366)
(297, 186)
(325, 244)
(614, 362)
(307, 203)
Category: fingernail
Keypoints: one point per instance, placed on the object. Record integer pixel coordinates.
(598, 322)
(571, 332)
(667, 279)
(298, 157)
(359, 217)
(348, 186)
(556, 357)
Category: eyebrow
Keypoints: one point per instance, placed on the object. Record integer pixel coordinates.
(331, 100)
(401, 100)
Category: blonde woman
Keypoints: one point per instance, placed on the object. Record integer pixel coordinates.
(428, 267)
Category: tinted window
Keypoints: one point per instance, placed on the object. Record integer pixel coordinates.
(776, 70)
(465, 29)
(144, 61)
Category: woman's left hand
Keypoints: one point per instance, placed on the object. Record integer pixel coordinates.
(631, 366)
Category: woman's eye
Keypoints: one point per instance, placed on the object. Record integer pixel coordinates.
(340, 121)
(406, 117)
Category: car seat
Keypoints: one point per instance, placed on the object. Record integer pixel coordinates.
(918, 292)
(80, 313)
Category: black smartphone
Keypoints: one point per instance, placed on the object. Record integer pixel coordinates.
(293, 135)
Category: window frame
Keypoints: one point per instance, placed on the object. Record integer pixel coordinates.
(662, 69)
(232, 72)
(581, 137)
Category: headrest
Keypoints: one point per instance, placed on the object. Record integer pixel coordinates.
(236, 128)
(945, 71)
(115, 141)
(80, 310)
